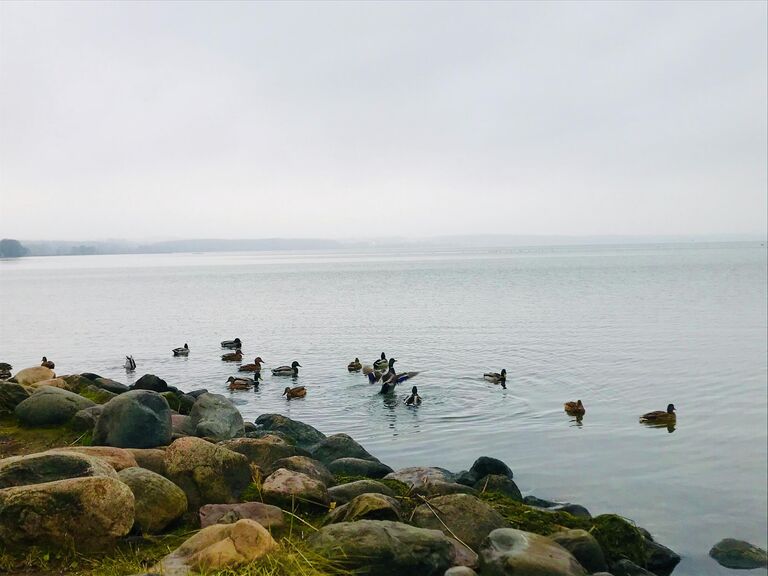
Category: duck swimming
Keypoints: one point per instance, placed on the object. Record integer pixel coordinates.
(235, 356)
(296, 392)
(660, 416)
(414, 399)
(255, 367)
(130, 364)
(292, 370)
(242, 383)
(392, 378)
(47, 363)
(374, 376)
(575, 408)
(232, 344)
(183, 351)
(496, 377)
(355, 365)
(381, 363)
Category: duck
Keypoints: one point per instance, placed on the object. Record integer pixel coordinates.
(392, 378)
(414, 399)
(374, 376)
(242, 383)
(232, 344)
(255, 367)
(182, 351)
(296, 392)
(235, 356)
(130, 364)
(292, 370)
(660, 416)
(355, 365)
(381, 363)
(47, 363)
(5, 370)
(575, 408)
(496, 377)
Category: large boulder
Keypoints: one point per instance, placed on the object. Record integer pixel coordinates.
(626, 567)
(482, 467)
(182, 425)
(287, 488)
(159, 502)
(150, 382)
(115, 457)
(367, 507)
(150, 458)
(501, 484)
(135, 419)
(436, 488)
(738, 554)
(584, 548)
(50, 406)
(309, 466)
(659, 559)
(214, 416)
(85, 420)
(359, 467)
(29, 376)
(110, 385)
(89, 513)
(418, 475)
(11, 395)
(54, 383)
(98, 395)
(508, 552)
(461, 515)
(49, 467)
(384, 548)
(302, 434)
(208, 474)
(549, 506)
(218, 547)
(339, 446)
(343, 493)
(263, 452)
(271, 517)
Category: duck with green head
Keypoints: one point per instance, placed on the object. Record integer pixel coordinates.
(292, 370)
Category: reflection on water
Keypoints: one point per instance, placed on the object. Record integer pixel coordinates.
(670, 426)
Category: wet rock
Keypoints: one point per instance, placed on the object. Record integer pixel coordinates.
(76, 382)
(11, 395)
(197, 393)
(214, 416)
(186, 402)
(738, 554)
(343, 493)
(135, 419)
(54, 383)
(485, 466)
(628, 568)
(507, 552)
(501, 484)
(367, 507)
(384, 548)
(465, 516)
(150, 458)
(49, 467)
(90, 513)
(150, 382)
(303, 435)
(263, 452)
(584, 548)
(659, 559)
(97, 394)
(29, 376)
(271, 517)
(86, 419)
(339, 446)
(309, 466)
(115, 457)
(287, 488)
(110, 385)
(50, 406)
(548, 506)
(359, 467)
(418, 475)
(159, 502)
(434, 488)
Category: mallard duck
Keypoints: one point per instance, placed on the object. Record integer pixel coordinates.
(235, 356)
(496, 377)
(659, 416)
(414, 399)
(575, 408)
(47, 363)
(374, 376)
(292, 370)
(392, 378)
(354, 366)
(242, 383)
(381, 363)
(232, 344)
(296, 392)
(183, 351)
(255, 367)
(130, 364)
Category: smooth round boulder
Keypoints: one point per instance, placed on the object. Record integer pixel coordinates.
(29, 376)
(98, 395)
(508, 552)
(659, 559)
(135, 419)
(11, 395)
(271, 517)
(309, 466)
(738, 554)
(418, 475)
(468, 518)
(50, 406)
(55, 383)
(150, 458)
(263, 452)
(435, 488)
(110, 385)
(150, 382)
(339, 446)
(85, 419)
(88, 513)
(49, 467)
(501, 484)
(359, 467)
(214, 416)
(584, 548)
(159, 502)
(287, 488)
(115, 457)
(301, 434)
(343, 493)
(367, 507)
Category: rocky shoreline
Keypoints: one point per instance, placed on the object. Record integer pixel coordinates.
(91, 467)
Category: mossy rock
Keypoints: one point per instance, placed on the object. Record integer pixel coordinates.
(619, 538)
(96, 394)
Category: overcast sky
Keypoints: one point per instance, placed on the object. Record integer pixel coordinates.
(146, 120)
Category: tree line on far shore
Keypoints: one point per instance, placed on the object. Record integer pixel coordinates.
(10, 248)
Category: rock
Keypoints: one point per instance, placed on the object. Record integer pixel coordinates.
(294, 489)
(150, 458)
(303, 435)
(186, 402)
(49, 467)
(467, 517)
(485, 466)
(213, 416)
(159, 502)
(434, 488)
(619, 539)
(97, 394)
(110, 385)
(263, 452)
(367, 507)
(90, 375)
(738, 554)
(135, 419)
(343, 493)
(29, 376)
(384, 548)
(76, 382)
(265, 514)
(659, 559)
(251, 427)
(11, 395)
(312, 468)
(89, 513)
(150, 382)
(208, 474)
(507, 551)
(50, 406)
(460, 571)
(54, 383)
(584, 548)
(628, 568)
(417, 475)
(339, 446)
(218, 547)
(172, 399)
(359, 467)
(501, 484)
(197, 393)
(115, 457)
(86, 419)
(182, 425)
(548, 506)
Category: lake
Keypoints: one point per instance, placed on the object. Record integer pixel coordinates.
(627, 329)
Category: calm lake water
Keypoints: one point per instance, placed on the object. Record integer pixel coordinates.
(627, 329)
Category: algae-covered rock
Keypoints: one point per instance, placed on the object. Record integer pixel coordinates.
(501, 484)
(214, 416)
(619, 539)
(508, 552)
(110, 385)
(159, 502)
(339, 446)
(135, 419)
(343, 493)
(287, 488)
(50, 406)
(263, 452)
(384, 548)
(49, 467)
(265, 514)
(584, 548)
(309, 466)
(367, 507)
(11, 395)
(98, 395)
(738, 554)
(302, 434)
(29, 376)
(89, 513)
(208, 474)
(434, 488)
(462, 515)
(359, 467)
(572, 509)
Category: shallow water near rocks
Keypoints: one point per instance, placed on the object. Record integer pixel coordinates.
(626, 329)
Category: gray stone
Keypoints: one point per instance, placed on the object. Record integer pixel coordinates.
(135, 419)
(548, 506)
(738, 554)
(271, 517)
(214, 416)
(343, 493)
(418, 475)
(501, 484)
(359, 467)
(434, 488)
(659, 559)
(628, 568)
(50, 406)
(584, 548)
(98, 395)
(467, 518)
(309, 466)
(339, 446)
(110, 385)
(287, 488)
(263, 452)
(11, 395)
(150, 382)
(367, 507)
(86, 419)
(159, 502)
(508, 552)
(182, 425)
(302, 434)
(49, 467)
